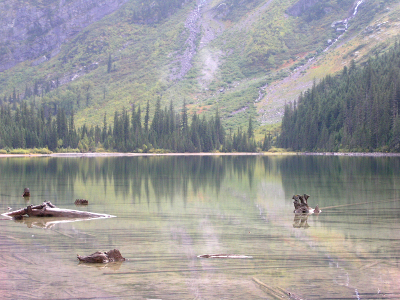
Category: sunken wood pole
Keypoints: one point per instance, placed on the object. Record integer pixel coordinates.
(102, 257)
(47, 209)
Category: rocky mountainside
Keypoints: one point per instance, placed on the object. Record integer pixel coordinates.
(244, 57)
(36, 32)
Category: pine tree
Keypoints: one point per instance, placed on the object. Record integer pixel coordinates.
(184, 119)
(250, 130)
(109, 64)
(104, 132)
(147, 117)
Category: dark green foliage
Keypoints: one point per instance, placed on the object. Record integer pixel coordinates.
(29, 128)
(356, 110)
(266, 145)
(36, 128)
(109, 64)
(250, 130)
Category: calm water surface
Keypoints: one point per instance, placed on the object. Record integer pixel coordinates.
(170, 210)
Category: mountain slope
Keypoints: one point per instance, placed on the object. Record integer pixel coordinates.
(245, 57)
(36, 31)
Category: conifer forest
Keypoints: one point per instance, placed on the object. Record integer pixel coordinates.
(36, 128)
(355, 110)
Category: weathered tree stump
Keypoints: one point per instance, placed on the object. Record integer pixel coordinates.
(102, 257)
(27, 192)
(81, 202)
(301, 205)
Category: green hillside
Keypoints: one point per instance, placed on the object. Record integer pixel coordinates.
(246, 58)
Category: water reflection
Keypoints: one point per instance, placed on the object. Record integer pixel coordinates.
(170, 210)
(335, 180)
(300, 221)
(49, 222)
(126, 175)
(112, 266)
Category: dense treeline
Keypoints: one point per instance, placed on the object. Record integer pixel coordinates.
(357, 110)
(27, 127)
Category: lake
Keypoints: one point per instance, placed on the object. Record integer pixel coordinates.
(172, 209)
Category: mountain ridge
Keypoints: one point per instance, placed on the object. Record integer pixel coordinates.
(245, 57)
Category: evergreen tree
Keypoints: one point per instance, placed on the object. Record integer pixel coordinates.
(104, 132)
(147, 117)
(109, 64)
(184, 118)
(250, 130)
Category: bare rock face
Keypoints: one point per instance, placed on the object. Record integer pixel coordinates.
(33, 32)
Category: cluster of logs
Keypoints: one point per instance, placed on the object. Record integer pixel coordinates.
(301, 205)
(47, 209)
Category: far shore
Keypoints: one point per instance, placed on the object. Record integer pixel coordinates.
(117, 154)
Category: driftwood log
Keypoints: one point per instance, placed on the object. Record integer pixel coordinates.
(102, 257)
(47, 209)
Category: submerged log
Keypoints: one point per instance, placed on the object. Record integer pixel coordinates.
(224, 256)
(47, 209)
(276, 292)
(102, 257)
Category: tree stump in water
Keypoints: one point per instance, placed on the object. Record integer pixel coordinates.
(81, 202)
(102, 257)
(301, 205)
(27, 192)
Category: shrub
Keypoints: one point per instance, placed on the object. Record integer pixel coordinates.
(41, 151)
(19, 151)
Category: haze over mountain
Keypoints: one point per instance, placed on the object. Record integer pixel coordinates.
(244, 57)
